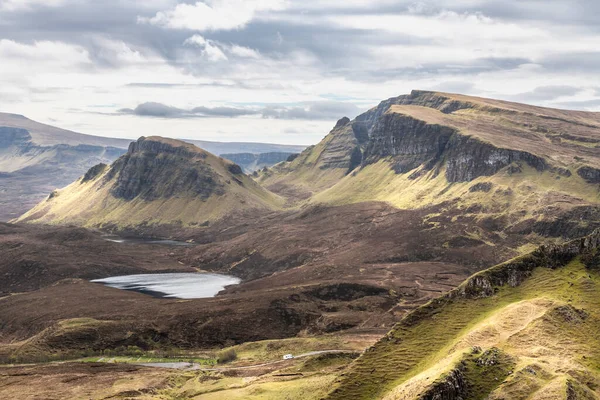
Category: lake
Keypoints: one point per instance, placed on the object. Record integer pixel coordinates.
(172, 285)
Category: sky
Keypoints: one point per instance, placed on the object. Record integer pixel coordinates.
(283, 71)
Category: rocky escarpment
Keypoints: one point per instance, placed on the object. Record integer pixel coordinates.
(409, 142)
(468, 158)
(452, 386)
(343, 148)
(466, 137)
(94, 172)
(153, 169)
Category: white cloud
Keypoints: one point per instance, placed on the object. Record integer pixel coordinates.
(210, 50)
(212, 15)
(243, 52)
(246, 54)
(116, 52)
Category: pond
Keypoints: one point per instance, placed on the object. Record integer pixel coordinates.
(172, 285)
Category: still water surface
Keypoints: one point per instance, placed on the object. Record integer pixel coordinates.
(173, 285)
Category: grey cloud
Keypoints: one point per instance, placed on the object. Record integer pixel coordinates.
(338, 52)
(326, 110)
(316, 111)
(222, 111)
(155, 110)
(437, 69)
(572, 61)
(454, 87)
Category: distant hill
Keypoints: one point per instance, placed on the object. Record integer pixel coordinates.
(525, 329)
(158, 181)
(253, 162)
(220, 148)
(36, 158)
(46, 136)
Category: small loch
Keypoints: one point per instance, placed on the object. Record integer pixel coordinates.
(172, 285)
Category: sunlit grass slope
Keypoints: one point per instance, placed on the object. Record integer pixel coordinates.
(534, 337)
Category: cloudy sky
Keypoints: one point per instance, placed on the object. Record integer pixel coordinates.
(282, 70)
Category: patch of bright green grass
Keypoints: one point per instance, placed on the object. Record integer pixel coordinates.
(410, 349)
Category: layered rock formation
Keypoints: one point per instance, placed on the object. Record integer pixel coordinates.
(158, 181)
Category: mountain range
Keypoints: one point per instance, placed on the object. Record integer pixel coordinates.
(454, 237)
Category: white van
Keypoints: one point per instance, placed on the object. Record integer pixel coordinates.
(288, 357)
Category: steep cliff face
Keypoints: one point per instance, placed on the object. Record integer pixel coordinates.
(153, 169)
(321, 166)
(409, 142)
(468, 159)
(157, 182)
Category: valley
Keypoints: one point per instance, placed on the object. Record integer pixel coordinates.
(438, 246)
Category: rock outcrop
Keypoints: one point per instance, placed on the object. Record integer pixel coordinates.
(153, 169)
(591, 175)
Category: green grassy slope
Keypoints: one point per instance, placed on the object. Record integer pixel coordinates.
(539, 313)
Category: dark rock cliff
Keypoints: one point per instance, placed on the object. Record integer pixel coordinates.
(93, 172)
(154, 169)
(452, 387)
(412, 143)
(468, 158)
